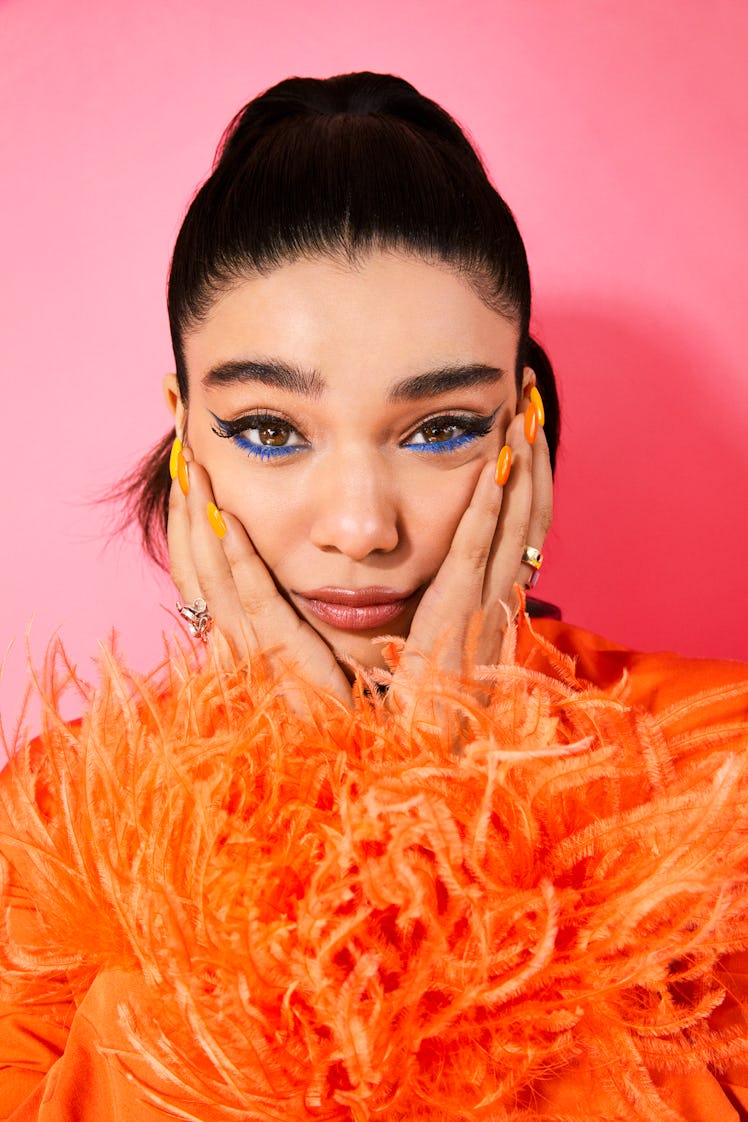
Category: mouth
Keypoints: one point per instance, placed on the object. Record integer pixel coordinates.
(355, 609)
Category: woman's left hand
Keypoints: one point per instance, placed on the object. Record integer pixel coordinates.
(465, 610)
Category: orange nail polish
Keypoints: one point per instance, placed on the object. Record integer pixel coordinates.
(176, 448)
(503, 465)
(531, 423)
(216, 520)
(182, 474)
(537, 401)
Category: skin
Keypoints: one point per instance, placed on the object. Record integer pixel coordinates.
(361, 502)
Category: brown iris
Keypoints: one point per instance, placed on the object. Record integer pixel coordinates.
(437, 433)
(273, 436)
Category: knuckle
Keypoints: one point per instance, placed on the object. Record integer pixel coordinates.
(476, 556)
(177, 574)
(255, 605)
(518, 533)
(238, 553)
(173, 501)
(545, 518)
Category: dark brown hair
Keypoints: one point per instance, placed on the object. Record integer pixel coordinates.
(338, 166)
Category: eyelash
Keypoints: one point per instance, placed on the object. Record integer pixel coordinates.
(472, 428)
(234, 430)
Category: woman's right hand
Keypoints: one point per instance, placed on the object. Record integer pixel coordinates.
(249, 614)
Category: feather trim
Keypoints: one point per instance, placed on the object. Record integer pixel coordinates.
(336, 917)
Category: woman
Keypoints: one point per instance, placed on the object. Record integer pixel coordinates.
(391, 850)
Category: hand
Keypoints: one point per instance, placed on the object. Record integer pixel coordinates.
(463, 615)
(249, 613)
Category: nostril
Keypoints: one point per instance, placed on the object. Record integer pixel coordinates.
(355, 535)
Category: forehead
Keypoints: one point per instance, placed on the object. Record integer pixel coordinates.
(386, 314)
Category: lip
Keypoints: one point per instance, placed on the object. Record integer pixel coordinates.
(356, 609)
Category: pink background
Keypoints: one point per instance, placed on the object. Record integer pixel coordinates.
(615, 130)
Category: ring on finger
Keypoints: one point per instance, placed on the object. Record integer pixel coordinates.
(534, 558)
(198, 618)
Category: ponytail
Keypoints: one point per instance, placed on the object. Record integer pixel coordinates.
(144, 496)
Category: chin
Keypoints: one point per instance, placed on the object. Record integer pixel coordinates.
(360, 651)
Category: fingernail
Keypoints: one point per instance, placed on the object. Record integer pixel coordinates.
(531, 423)
(537, 401)
(216, 520)
(503, 465)
(176, 448)
(182, 474)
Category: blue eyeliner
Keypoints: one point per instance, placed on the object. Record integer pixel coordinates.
(441, 447)
(473, 428)
(265, 452)
(470, 428)
(234, 430)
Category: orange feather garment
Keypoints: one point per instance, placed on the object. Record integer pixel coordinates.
(339, 917)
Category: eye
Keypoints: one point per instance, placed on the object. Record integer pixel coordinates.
(435, 432)
(264, 435)
(449, 432)
(271, 434)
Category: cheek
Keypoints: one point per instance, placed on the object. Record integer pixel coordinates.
(272, 519)
(237, 489)
(434, 513)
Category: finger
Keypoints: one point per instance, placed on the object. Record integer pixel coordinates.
(260, 601)
(214, 576)
(246, 605)
(541, 512)
(455, 595)
(276, 627)
(232, 573)
(215, 558)
(181, 562)
(511, 532)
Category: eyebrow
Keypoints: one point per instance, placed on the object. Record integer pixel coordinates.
(309, 383)
(445, 378)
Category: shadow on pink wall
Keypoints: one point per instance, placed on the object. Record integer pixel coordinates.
(651, 545)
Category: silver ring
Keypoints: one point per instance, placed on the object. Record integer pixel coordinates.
(534, 558)
(198, 618)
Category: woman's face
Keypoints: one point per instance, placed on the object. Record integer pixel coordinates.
(344, 413)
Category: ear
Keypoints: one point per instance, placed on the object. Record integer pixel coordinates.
(528, 381)
(173, 400)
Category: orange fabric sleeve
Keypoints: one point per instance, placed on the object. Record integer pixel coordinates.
(654, 680)
(580, 1094)
(32, 1035)
(86, 1083)
(30, 1043)
(54, 1064)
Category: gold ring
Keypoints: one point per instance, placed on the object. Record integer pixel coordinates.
(532, 557)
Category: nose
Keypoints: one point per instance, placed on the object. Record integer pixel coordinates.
(354, 511)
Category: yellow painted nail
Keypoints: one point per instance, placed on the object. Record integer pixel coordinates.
(182, 473)
(537, 401)
(531, 423)
(216, 520)
(176, 448)
(503, 465)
